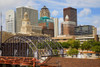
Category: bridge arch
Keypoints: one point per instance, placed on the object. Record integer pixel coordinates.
(30, 46)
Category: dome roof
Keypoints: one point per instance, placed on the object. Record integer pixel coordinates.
(44, 7)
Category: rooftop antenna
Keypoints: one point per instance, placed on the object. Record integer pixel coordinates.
(1, 30)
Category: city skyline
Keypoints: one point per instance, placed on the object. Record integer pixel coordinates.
(88, 11)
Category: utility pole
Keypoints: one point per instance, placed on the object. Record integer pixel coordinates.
(1, 30)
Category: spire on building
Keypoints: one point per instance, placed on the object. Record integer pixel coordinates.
(26, 16)
(44, 6)
(67, 18)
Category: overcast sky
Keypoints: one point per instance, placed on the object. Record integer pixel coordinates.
(88, 10)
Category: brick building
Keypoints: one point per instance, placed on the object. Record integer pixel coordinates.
(72, 14)
(47, 25)
(67, 27)
(49, 32)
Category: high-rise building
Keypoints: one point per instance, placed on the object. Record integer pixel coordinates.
(67, 27)
(72, 14)
(10, 21)
(56, 27)
(44, 12)
(32, 14)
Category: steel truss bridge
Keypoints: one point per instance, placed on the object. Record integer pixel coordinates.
(39, 47)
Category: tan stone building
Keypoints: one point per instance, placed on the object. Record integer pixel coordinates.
(26, 27)
(44, 12)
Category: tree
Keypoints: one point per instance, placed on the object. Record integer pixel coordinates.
(72, 52)
(65, 45)
(86, 45)
(74, 43)
(82, 47)
(96, 49)
(96, 44)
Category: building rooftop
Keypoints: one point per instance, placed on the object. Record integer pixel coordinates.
(69, 8)
(30, 7)
(71, 62)
(44, 7)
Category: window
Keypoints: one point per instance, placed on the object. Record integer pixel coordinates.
(27, 22)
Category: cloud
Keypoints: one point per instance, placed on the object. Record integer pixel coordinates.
(82, 3)
(85, 12)
(96, 21)
(55, 13)
(10, 3)
(15, 3)
(74, 3)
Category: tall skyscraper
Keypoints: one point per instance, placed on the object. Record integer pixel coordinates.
(44, 12)
(72, 14)
(10, 21)
(32, 14)
(56, 27)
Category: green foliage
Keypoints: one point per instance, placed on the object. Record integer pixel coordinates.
(96, 44)
(55, 51)
(82, 47)
(65, 45)
(96, 49)
(40, 45)
(86, 45)
(72, 52)
(91, 44)
(74, 43)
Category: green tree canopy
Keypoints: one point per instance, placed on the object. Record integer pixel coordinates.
(74, 43)
(87, 45)
(96, 49)
(65, 44)
(72, 52)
